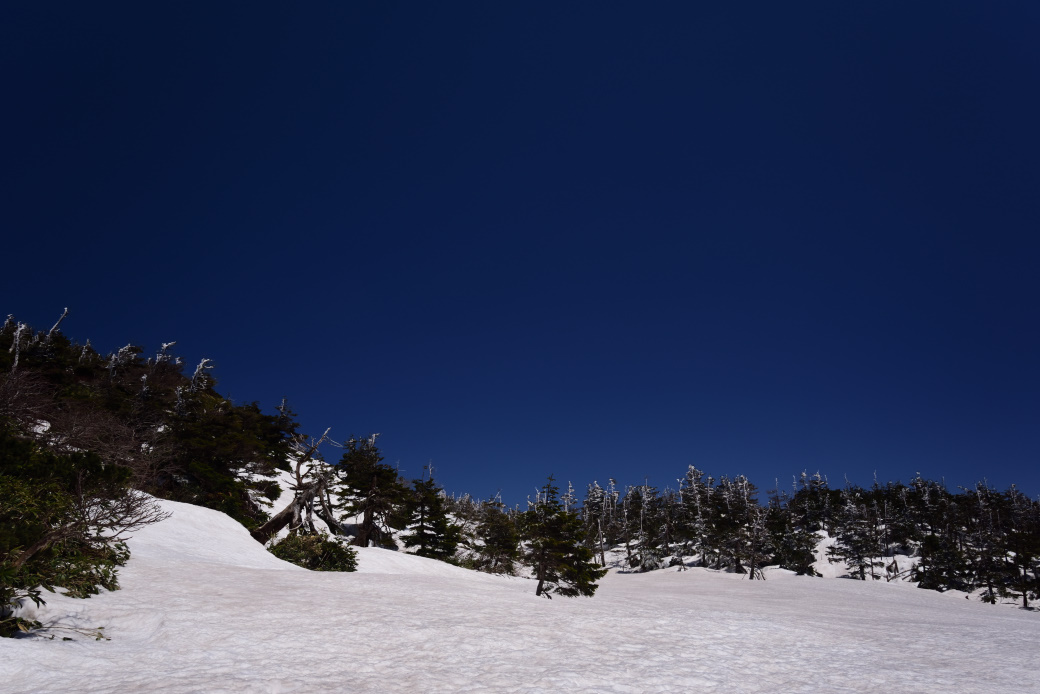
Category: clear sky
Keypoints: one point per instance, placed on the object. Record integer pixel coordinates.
(587, 239)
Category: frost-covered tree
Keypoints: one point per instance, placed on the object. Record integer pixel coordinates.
(645, 540)
(859, 539)
(593, 511)
(695, 497)
(312, 478)
(791, 543)
(1022, 547)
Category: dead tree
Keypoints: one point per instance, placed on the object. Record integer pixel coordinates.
(311, 483)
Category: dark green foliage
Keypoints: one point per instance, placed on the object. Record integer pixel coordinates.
(317, 552)
(859, 536)
(814, 503)
(1022, 549)
(562, 565)
(54, 526)
(792, 544)
(430, 530)
(373, 490)
(220, 454)
(489, 541)
(646, 530)
(942, 566)
(177, 436)
(499, 542)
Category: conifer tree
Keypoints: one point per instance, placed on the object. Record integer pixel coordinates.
(593, 510)
(430, 529)
(1022, 547)
(695, 495)
(942, 566)
(859, 541)
(373, 490)
(554, 550)
(498, 547)
(645, 542)
(792, 544)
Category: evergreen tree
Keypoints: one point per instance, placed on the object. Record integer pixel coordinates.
(373, 490)
(942, 566)
(430, 529)
(554, 550)
(987, 541)
(224, 456)
(498, 546)
(859, 540)
(813, 503)
(792, 544)
(644, 541)
(593, 511)
(1022, 547)
(695, 496)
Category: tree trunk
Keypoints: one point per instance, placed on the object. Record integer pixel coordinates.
(303, 498)
(38, 546)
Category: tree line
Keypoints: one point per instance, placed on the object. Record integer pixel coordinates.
(82, 434)
(976, 540)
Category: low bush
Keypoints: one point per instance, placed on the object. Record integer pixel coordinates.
(316, 552)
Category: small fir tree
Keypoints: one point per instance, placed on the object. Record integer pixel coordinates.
(430, 529)
(498, 546)
(561, 563)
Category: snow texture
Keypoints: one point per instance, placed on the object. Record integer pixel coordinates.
(204, 608)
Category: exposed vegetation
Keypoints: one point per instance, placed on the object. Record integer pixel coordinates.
(317, 552)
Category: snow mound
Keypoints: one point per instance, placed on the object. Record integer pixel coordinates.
(193, 534)
(196, 534)
(374, 560)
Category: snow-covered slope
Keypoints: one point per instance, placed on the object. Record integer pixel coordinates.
(204, 608)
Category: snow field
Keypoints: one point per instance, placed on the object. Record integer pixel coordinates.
(204, 608)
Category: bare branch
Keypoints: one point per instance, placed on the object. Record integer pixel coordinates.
(51, 332)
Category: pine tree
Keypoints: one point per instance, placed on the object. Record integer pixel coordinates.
(695, 495)
(644, 539)
(792, 544)
(498, 546)
(859, 539)
(554, 550)
(592, 514)
(1022, 547)
(942, 566)
(371, 489)
(430, 529)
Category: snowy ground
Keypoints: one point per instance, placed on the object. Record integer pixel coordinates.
(204, 608)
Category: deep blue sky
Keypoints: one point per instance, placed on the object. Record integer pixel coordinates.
(588, 239)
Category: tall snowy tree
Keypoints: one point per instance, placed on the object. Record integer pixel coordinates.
(859, 540)
(792, 545)
(592, 514)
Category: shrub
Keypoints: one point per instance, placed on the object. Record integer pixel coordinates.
(316, 552)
